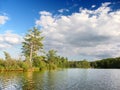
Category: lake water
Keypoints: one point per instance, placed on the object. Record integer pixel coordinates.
(66, 79)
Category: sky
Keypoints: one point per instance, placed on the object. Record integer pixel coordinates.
(77, 29)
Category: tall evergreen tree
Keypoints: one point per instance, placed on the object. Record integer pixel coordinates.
(32, 43)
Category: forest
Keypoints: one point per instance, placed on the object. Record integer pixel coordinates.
(32, 46)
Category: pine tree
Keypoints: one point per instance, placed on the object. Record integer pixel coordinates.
(32, 43)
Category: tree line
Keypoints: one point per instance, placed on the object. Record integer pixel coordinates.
(33, 45)
(106, 63)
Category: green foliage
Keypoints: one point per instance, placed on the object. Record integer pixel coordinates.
(25, 65)
(12, 64)
(39, 62)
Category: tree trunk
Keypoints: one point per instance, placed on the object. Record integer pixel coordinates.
(31, 50)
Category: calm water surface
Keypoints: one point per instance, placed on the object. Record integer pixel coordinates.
(67, 79)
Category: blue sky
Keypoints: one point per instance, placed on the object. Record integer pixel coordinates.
(18, 16)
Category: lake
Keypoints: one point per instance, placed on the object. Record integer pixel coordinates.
(66, 79)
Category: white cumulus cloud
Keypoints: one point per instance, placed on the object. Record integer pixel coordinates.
(3, 19)
(87, 33)
(9, 39)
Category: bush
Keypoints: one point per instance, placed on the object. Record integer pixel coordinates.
(39, 62)
(52, 66)
(25, 65)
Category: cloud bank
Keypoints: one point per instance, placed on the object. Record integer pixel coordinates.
(85, 34)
